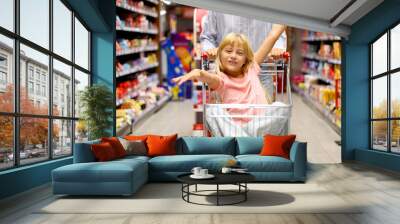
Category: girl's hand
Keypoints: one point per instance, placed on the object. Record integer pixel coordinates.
(195, 73)
(212, 53)
(277, 29)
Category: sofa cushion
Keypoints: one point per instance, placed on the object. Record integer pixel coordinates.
(257, 163)
(161, 145)
(185, 163)
(277, 145)
(83, 152)
(112, 171)
(248, 145)
(103, 152)
(136, 137)
(206, 145)
(116, 145)
(134, 147)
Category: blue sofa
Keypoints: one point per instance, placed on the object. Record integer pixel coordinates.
(125, 176)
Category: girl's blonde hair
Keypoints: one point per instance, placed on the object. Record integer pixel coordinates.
(231, 39)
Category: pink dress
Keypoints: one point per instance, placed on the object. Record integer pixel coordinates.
(244, 90)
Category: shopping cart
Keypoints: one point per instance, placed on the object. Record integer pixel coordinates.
(240, 120)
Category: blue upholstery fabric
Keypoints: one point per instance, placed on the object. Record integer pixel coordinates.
(249, 145)
(205, 145)
(119, 177)
(184, 163)
(298, 155)
(83, 152)
(257, 163)
(126, 175)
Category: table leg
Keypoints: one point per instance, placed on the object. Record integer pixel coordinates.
(245, 191)
(217, 194)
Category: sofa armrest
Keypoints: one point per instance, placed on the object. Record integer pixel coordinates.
(298, 155)
(83, 152)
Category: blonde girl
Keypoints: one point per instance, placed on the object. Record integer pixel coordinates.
(238, 68)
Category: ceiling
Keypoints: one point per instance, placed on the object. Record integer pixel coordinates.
(332, 16)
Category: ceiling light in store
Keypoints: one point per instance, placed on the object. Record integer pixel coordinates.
(163, 12)
(167, 2)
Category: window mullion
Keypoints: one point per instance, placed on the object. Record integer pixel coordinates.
(73, 81)
(50, 81)
(389, 101)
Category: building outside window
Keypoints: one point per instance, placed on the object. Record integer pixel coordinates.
(30, 87)
(34, 57)
(30, 72)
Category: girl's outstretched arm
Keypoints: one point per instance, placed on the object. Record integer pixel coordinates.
(268, 43)
(196, 74)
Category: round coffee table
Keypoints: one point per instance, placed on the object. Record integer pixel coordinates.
(238, 179)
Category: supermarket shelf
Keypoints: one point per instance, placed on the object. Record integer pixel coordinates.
(310, 39)
(134, 92)
(137, 69)
(317, 74)
(127, 128)
(323, 111)
(137, 30)
(137, 10)
(137, 50)
(323, 59)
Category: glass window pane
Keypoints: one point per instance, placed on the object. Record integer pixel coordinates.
(33, 139)
(37, 101)
(395, 94)
(81, 45)
(7, 14)
(62, 141)
(62, 89)
(379, 55)
(379, 135)
(35, 21)
(6, 142)
(62, 29)
(395, 47)
(81, 81)
(395, 136)
(6, 74)
(81, 131)
(379, 97)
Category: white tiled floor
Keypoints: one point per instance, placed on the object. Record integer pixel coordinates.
(178, 117)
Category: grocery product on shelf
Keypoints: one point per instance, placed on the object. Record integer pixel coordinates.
(140, 64)
(129, 46)
(139, 90)
(137, 98)
(137, 6)
(319, 77)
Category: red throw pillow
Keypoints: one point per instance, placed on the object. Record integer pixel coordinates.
(277, 145)
(136, 137)
(116, 145)
(161, 145)
(103, 152)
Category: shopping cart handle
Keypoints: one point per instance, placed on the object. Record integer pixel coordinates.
(204, 56)
(286, 55)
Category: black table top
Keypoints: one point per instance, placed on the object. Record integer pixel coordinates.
(220, 178)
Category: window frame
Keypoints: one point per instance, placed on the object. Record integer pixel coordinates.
(388, 74)
(16, 114)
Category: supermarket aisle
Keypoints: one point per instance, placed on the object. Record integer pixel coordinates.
(174, 117)
(178, 117)
(311, 128)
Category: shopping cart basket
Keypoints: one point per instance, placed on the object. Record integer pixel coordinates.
(239, 120)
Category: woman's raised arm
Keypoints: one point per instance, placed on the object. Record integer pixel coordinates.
(268, 43)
